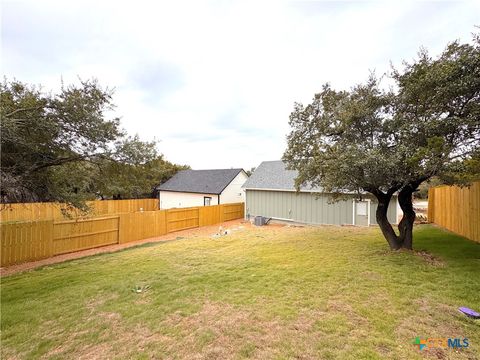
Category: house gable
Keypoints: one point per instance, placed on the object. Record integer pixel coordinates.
(233, 192)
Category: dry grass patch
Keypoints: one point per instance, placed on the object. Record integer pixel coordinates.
(222, 331)
(435, 320)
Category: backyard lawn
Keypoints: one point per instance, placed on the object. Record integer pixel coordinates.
(266, 293)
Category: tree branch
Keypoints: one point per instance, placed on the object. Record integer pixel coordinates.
(64, 160)
(25, 109)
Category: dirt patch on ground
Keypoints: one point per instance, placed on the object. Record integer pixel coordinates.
(425, 255)
(430, 259)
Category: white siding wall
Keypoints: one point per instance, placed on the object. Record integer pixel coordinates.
(170, 199)
(234, 193)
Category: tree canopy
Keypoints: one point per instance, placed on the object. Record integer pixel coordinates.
(64, 147)
(387, 141)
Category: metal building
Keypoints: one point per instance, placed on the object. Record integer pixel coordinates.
(270, 192)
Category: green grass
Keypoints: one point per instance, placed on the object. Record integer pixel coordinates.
(280, 293)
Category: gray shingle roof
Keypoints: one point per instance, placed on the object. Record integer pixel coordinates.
(273, 175)
(200, 181)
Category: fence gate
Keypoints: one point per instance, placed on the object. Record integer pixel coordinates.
(181, 219)
(232, 211)
(74, 235)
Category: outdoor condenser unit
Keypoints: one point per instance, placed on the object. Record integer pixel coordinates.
(260, 220)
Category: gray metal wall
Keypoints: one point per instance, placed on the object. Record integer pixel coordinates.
(305, 207)
(302, 207)
(391, 212)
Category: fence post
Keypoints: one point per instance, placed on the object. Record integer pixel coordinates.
(221, 211)
(202, 216)
(49, 239)
(431, 205)
(122, 226)
(163, 222)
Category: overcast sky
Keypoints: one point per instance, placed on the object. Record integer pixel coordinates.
(216, 81)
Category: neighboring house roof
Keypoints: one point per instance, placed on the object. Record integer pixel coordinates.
(273, 175)
(200, 181)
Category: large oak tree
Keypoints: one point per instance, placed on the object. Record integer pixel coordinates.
(67, 147)
(389, 141)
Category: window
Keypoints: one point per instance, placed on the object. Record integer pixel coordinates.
(362, 208)
(207, 201)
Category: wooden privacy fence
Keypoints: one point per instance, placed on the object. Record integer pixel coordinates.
(137, 226)
(35, 240)
(58, 211)
(78, 235)
(456, 209)
(26, 241)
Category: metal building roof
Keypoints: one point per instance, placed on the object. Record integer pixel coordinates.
(273, 175)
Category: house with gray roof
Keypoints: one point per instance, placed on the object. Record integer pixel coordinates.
(189, 188)
(270, 192)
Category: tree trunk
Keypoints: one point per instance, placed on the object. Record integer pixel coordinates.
(405, 226)
(385, 226)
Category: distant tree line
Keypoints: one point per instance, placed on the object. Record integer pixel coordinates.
(64, 147)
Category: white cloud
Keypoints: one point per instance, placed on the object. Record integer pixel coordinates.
(216, 81)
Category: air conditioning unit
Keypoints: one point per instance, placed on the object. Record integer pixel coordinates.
(260, 220)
